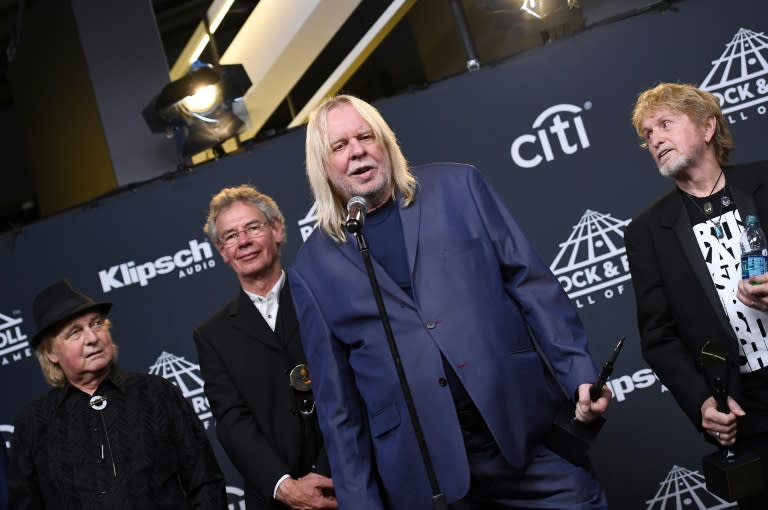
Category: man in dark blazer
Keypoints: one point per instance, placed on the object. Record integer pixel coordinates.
(253, 364)
(464, 289)
(684, 256)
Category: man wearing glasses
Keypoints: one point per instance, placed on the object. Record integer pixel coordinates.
(253, 363)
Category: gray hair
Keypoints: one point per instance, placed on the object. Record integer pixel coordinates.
(243, 193)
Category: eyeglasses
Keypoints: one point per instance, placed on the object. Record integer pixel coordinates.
(251, 231)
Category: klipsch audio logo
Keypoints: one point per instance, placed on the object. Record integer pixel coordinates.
(592, 263)
(186, 376)
(739, 78)
(558, 127)
(196, 257)
(684, 489)
(14, 345)
(308, 223)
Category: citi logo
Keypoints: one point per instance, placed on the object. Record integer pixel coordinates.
(186, 376)
(683, 488)
(559, 125)
(308, 223)
(188, 261)
(593, 261)
(739, 77)
(14, 345)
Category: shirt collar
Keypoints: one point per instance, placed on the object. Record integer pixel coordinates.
(116, 379)
(273, 292)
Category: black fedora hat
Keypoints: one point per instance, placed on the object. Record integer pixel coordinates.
(57, 303)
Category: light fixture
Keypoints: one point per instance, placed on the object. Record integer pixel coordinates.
(201, 37)
(532, 7)
(201, 109)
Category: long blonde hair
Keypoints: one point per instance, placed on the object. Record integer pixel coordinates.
(331, 208)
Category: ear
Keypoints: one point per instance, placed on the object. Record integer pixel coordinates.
(710, 126)
(52, 356)
(279, 231)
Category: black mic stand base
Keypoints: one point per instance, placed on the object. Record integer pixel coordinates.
(733, 476)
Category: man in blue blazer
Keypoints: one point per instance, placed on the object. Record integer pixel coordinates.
(477, 318)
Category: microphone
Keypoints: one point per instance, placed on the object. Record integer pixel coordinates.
(605, 373)
(356, 209)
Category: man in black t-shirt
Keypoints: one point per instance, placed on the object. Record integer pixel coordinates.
(685, 260)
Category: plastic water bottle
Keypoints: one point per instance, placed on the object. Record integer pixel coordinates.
(754, 252)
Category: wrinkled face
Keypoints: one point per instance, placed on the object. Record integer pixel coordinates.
(359, 165)
(83, 347)
(674, 141)
(255, 251)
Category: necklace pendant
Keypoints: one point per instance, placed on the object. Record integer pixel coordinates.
(718, 231)
(708, 208)
(725, 200)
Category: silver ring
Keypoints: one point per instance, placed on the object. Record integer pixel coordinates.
(717, 435)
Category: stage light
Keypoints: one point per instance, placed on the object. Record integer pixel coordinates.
(531, 7)
(203, 100)
(541, 9)
(201, 109)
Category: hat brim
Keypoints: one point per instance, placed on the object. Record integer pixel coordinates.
(103, 308)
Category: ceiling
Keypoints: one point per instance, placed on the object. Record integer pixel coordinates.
(423, 47)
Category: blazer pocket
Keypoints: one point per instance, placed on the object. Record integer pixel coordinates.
(384, 420)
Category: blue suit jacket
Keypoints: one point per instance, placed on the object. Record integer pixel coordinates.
(477, 284)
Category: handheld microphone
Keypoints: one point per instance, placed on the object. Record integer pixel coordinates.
(356, 209)
(605, 373)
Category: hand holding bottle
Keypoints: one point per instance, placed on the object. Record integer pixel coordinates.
(753, 287)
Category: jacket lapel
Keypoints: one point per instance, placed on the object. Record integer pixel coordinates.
(287, 327)
(247, 319)
(410, 218)
(351, 252)
(675, 216)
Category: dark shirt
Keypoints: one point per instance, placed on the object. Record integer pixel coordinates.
(63, 450)
(384, 231)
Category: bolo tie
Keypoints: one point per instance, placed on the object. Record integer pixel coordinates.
(98, 404)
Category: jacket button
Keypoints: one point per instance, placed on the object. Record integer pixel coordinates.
(431, 325)
(442, 381)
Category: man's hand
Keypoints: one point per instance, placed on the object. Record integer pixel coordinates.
(719, 425)
(586, 410)
(754, 292)
(310, 492)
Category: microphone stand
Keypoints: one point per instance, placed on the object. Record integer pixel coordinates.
(438, 498)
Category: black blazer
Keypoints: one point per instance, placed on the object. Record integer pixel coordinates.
(245, 366)
(678, 308)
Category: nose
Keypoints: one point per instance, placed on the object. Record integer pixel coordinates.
(356, 148)
(654, 140)
(90, 336)
(242, 238)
